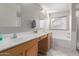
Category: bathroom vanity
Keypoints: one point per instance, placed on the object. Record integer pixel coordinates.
(29, 46)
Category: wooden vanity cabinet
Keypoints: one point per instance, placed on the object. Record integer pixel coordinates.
(29, 48)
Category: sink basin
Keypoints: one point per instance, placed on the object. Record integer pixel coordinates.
(22, 38)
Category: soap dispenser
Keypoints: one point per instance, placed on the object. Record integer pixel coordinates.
(34, 26)
(1, 37)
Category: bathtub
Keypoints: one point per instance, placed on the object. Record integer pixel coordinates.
(61, 39)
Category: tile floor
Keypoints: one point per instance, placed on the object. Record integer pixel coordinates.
(62, 52)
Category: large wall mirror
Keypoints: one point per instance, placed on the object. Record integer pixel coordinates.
(10, 15)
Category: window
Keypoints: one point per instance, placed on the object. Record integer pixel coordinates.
(59, 23)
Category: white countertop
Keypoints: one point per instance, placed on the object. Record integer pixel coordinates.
(8, 43)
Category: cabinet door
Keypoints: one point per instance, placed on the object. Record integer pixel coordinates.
(43, 45)
(33, 51)
(14, 51)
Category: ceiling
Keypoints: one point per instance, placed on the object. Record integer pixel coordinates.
(57, 7)
(54, 7)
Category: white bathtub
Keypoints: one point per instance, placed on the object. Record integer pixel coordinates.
(61, 39)
(62, 35)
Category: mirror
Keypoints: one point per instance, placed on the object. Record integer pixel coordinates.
(10, 15)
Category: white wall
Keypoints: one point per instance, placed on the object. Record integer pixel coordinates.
(44, 20)
(78, 29)
(28, 13)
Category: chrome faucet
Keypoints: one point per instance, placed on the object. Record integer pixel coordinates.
(14, 35)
